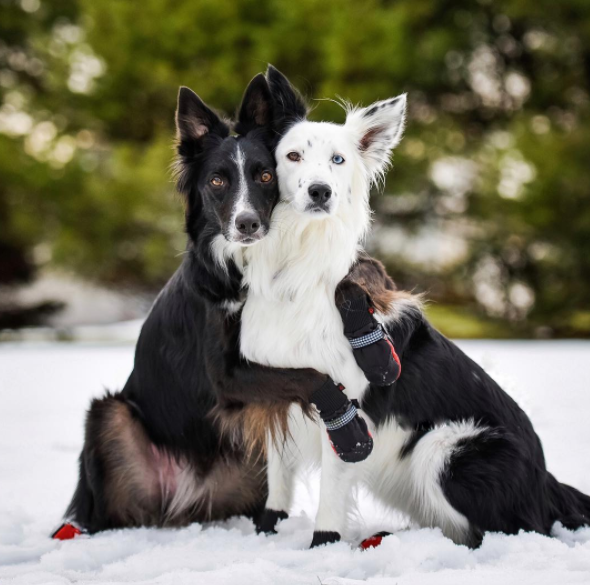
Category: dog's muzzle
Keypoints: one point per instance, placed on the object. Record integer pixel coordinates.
(248, 228)
(321, 196)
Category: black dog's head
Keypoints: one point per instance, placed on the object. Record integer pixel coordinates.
(229, 181)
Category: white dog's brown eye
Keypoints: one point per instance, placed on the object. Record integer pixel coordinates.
(216, 181)
(294, 156)
(266, 177)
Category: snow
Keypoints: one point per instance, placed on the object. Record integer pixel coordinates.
(45, 389)
(84, 302)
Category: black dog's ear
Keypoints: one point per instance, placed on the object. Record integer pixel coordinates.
(288, 105)
(256, 109)
(195, 120)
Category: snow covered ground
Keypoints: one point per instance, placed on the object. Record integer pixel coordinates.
(45, 388)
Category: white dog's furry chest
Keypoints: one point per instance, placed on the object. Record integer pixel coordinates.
(306, 334)
(290, 317)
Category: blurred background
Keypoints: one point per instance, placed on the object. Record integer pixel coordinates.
(487, 208)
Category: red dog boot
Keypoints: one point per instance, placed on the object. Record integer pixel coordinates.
(67, 531)
(373, 541)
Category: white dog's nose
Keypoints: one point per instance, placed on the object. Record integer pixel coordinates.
(320, 194)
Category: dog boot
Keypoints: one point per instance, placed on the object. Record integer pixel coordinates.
(373, 541)
(373, 350)
(347, 430)
(67, 531)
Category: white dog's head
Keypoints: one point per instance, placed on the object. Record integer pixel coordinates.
(322, 167)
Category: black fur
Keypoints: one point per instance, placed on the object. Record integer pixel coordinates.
(288, 105)
(321, 537)
(206, 150)
(498, 479)
(418, 432)
(187, 360)
(269, 520)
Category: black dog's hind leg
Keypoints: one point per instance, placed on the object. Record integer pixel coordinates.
(117, 486)
(496, 486)
(87, 509)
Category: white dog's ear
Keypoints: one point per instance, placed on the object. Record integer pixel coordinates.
(378, 129)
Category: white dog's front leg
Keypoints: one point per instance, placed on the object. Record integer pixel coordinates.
(281, 475)
(337, 483)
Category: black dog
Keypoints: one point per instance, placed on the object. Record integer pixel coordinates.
(495, 474)
(183, 440)
(153, 453)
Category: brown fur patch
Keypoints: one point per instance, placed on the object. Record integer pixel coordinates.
(249, 426)
(131, 486)
(146, 486)
(369, 276)
(233, 488)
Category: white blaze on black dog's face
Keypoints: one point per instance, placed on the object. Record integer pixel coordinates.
(319, 162)
(229, 180)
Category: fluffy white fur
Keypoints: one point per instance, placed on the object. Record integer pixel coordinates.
(290, 318)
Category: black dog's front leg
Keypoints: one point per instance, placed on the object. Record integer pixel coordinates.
(372, 346)
(240, 383)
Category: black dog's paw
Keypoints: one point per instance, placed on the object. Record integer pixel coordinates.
(268, 521)
(321, 537)
(358, 453)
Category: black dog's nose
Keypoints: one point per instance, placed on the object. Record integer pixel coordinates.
(319, 193)
(247, 223)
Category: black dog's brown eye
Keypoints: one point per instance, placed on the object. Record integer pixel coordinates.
(266, 177)
(294, 156)
(217, 181)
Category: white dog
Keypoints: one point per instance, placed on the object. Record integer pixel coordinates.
(451, 449)
(290, 319)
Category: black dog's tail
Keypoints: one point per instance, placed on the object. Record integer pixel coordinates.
(570, 506)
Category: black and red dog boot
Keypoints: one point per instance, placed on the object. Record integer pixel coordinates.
(372, 349)
(67, 531)
(347, 430)
(373, 541)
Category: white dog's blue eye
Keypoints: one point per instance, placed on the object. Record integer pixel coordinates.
(337, 159)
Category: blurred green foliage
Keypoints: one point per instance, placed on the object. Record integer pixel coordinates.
(493, 175)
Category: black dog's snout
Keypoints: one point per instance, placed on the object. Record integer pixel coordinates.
(320, 193)
(248, 223)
